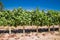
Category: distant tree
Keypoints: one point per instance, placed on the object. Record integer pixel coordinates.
(1, 6)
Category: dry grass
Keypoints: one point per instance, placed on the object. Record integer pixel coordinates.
(26, 27)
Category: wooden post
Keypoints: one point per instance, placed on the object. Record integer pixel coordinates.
(53, 29)
(37, 29)
(59, 29)
(48, 28)
(9, 30)
(23, 29)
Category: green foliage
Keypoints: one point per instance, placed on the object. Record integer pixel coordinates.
(35, 17)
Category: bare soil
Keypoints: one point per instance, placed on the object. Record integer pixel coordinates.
(30, 36)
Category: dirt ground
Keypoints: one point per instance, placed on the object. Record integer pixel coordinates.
(30, 36)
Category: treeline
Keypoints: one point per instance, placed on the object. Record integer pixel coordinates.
(23, 17)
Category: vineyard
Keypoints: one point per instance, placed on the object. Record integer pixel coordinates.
(22, 17)
(22, 20)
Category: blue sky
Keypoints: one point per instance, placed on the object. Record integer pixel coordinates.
(32, 4)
